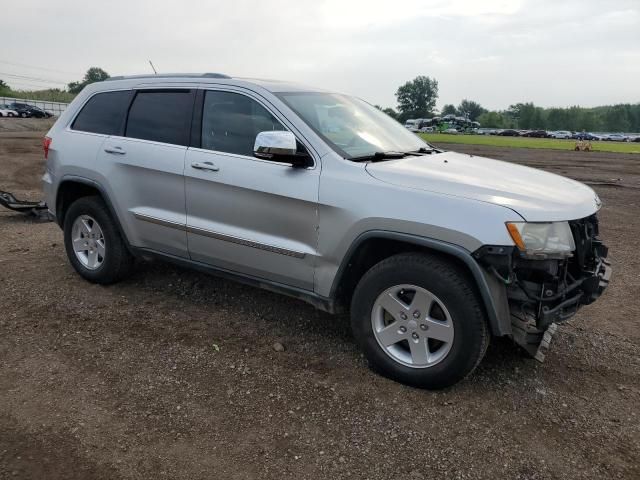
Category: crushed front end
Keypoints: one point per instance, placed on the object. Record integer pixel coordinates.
(544, 289)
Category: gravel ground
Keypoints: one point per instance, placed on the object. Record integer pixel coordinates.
(174, 374)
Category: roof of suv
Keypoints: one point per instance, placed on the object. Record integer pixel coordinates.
(270, 85)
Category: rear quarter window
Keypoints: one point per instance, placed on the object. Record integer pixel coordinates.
(103, 113)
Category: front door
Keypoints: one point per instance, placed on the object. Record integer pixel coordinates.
(248, 215)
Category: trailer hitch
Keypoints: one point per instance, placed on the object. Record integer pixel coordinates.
(36, 209)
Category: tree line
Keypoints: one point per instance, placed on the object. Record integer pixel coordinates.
(417, 99)
(94, 74)
(608, 118)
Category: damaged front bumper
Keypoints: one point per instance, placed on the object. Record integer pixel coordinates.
(541, 293)
(37, 209)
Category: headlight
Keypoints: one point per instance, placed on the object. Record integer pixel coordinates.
(538, 239)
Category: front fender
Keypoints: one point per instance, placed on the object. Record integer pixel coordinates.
(492, 292)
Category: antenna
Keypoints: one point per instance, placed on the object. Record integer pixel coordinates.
(154, 68)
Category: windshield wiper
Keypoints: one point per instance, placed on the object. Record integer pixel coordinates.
(378, 156)
(421, 151)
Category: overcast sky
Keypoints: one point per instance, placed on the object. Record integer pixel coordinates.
(554, 53)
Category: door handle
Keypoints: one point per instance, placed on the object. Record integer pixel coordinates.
(116, 150)
(205, 166)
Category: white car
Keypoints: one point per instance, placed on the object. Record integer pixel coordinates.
(412, 125)
(616, 137)
(7, 112)
(561, 134)
(451, 131)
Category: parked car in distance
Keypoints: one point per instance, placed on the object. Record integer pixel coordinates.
(451, 131)
(5, 111)
(26, 110)
(564, 134)
(323, 197)
(23, 110)
(616, 137)
(536, 134)
(585, 136)
(486, 131)
(427, 129)
(412, 125)
(509, 132)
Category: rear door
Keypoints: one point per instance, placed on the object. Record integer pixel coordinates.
(245, 214)
(147, 167)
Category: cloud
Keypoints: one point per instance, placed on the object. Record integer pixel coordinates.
(495, 52)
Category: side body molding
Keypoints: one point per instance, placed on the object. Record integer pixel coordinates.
(493, 294)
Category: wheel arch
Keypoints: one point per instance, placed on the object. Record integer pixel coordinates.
(374, 246)
(72, 188)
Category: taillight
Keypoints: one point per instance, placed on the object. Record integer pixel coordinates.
(46, 143)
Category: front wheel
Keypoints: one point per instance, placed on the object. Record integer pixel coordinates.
(419, 320)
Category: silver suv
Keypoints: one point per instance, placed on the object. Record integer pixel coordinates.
(323, 197)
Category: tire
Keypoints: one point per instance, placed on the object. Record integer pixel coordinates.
(454, 304)
(113, 262)
(23, 115)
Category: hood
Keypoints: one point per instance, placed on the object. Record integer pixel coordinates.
(536, 195)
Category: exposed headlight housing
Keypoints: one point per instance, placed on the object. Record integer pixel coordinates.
(542, 240)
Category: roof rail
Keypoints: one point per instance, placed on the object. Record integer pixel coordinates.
(170, 75)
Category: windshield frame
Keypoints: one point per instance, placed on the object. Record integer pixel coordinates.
(283, 97)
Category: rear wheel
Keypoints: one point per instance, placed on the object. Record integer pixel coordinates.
(419, 321)
(93, 242)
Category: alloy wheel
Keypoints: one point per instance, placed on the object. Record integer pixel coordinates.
(88, 242)
(412, 326)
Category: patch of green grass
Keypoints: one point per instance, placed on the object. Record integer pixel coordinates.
(52, 95)
(526, 142)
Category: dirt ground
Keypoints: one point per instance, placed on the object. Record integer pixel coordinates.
(173, 374)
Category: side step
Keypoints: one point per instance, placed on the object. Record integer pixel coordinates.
(37, 209)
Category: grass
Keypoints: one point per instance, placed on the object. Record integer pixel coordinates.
(526, 142)
(53, 95)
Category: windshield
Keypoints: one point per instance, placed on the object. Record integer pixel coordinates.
(352, 127)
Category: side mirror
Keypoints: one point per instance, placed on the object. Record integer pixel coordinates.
(280, 146)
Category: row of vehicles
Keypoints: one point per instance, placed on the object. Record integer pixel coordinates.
(23, 110)
(444, 124)
(453, 125)
(561, 134)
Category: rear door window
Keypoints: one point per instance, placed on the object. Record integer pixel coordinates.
(103, 113)
(161, 116)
